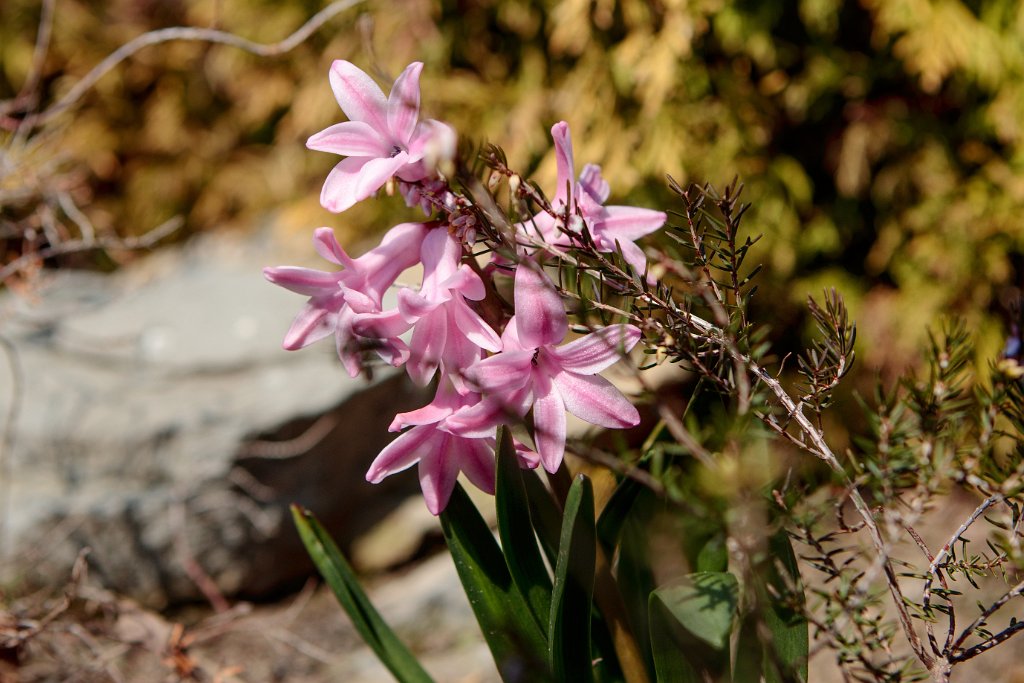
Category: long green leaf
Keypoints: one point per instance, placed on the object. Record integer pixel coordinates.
(635, 576)
(786, 661)
(670, 664)
(569, 644)
(515, 529)
(342, 580)
(517, 644)
(545, 514)
(615, 512)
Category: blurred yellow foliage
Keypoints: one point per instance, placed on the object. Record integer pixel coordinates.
(880, 141)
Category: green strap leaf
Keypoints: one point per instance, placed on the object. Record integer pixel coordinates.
(670, 664)
(545, 514)
(516, 642)
(342, 580)
(569, 644)
(634, 574)
(515, 529)
(786, 661)
(615, 512)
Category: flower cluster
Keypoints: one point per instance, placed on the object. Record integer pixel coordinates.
(490, 371)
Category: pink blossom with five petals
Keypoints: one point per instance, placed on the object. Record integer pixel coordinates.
(383, 137)
(531, 371)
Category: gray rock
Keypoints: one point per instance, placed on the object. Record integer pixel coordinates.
(145, 402)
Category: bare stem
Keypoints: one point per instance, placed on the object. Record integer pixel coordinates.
(185, 33)
(76, 246)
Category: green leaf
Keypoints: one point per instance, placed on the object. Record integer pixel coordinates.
(545, 514)
(615, 512)
(515, 529)
(342, 580)
(569, 632)
(790, 647)
(704, 604)
(670, 665)
(635, 576)
(714, 556)
(517, 644)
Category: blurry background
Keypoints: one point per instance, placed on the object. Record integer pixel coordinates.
(880, 141)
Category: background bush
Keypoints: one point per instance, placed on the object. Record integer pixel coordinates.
(880, 141)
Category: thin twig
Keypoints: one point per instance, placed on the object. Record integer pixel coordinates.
(982, 618)
(144, 241)
(185, 33)
(939, 561)
(930, 626)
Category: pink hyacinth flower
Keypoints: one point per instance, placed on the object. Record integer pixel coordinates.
(383, 137)
(447, 333)
(531, 371)
(335, 298)
(608, 225)
(441, 455)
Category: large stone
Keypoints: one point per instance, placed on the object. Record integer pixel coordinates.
(143, 406)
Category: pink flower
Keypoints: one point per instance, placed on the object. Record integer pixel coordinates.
(383, 138)
(608, 225)
(441, 455)
(532, 372)
(335, 298)
(448, 333)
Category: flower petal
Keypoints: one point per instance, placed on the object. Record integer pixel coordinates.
(347, 344)
(628, 223)
(529, 459)
(548, 422)
(350, 139)
(440, 255)
(476, 459)
(428, 342)
(563, 158)
(393, 351)
(358, 96)
(596, 351)
(303, 280)
(438, 471)
(595, 400)
(339, 190)
(413, 306)
(313, 323)
(594, 184)
(404, 103)
(400, 454)
(467, 283)
(435, 143)
(445, 402)
(540, 315)
(326, 244)
(356, 178)
(360, 302)
(473, 326)
(478, 421)
(501, 373)
(398, 249)
(382, 325)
